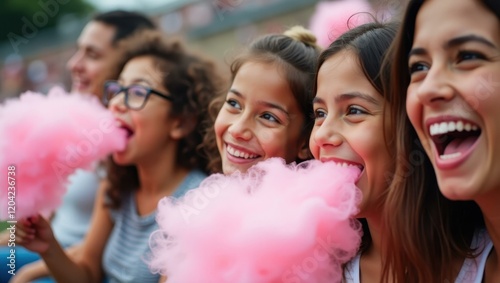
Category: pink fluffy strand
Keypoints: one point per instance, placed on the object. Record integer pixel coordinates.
(333, 18)
(46, 138)
(276, 223)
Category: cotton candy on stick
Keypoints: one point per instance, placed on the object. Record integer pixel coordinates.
(46, 138)
(277, 223)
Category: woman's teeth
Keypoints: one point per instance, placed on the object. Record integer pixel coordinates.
(447, 127)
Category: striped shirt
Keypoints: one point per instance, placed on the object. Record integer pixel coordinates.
(128, 246)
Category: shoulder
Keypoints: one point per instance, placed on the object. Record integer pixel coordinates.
(193, 180)
(473, 268)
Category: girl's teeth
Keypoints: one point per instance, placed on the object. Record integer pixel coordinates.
(240, 154)
(345, 164)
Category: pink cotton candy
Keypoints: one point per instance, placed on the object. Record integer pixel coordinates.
(333, 18)
(46, 138)
(277, 223)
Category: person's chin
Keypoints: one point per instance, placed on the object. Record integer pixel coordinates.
(458, 188)
(121, 158)
(80, 88)
(229, 168)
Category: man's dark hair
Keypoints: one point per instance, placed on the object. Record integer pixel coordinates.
(126, 23)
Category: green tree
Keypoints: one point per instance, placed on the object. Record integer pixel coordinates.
(22, 19)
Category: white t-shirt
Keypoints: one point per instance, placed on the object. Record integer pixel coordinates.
(72, 219)
(472, 270)
(351, 272)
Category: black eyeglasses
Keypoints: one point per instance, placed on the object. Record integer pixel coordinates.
(135, 95)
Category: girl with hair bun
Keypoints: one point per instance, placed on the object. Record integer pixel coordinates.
(266, 111)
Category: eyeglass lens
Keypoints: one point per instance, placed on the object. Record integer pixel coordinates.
(134, 98)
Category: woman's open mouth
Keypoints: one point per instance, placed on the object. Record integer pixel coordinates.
(454, 138)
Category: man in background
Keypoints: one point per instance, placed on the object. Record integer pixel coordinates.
(95, 61)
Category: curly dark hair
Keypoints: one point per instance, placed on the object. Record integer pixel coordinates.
(192, 80)
(295, 52)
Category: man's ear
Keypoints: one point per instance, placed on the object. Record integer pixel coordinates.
(304, 152)
(182, 127)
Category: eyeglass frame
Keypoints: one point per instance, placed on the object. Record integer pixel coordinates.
(125, 89)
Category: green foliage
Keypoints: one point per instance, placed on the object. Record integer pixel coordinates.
(3, 226)
(43, 14)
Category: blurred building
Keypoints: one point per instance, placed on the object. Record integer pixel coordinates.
(217, 27)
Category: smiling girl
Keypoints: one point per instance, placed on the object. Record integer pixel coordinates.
(266, 112)
(349, 129)
(160, 99)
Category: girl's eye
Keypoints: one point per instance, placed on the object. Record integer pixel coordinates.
(319, 114)
(233, 103)
(417, 67)
(270, 117)
(469, 55)
(353, 110)
(139, 91)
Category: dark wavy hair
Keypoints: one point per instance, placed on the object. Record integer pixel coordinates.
(295, 52)
(126, 23)
(192, 80)
(427, 231)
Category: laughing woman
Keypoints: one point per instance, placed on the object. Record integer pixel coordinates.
(446, 69)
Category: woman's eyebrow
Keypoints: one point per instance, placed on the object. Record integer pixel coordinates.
(454, 42)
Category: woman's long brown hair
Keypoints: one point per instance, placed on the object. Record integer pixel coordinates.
(425, 232)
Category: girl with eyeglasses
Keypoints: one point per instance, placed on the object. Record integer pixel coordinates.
(160, 99)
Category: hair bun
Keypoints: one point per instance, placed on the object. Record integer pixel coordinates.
(303, 35)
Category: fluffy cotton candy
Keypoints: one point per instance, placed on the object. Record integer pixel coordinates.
(46, 138)
(277, 223)
(333, 18)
